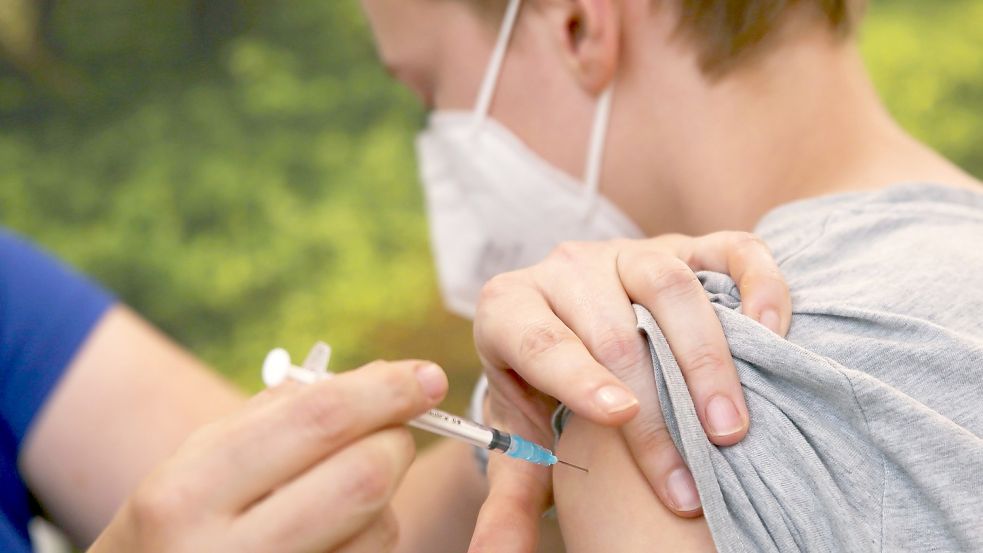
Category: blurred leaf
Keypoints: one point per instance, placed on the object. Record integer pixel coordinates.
(249, 182)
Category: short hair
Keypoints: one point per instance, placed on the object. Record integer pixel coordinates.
(727, 32)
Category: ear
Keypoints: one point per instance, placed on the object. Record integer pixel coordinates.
(590, 35)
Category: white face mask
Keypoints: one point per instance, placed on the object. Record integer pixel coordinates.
(495, 205)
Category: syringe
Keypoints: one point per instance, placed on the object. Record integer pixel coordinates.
(278, 368)
(486, 437)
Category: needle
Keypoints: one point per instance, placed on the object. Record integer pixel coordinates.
(572, 465)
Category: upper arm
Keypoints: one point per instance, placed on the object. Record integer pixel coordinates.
(125, 402)
(613, 508)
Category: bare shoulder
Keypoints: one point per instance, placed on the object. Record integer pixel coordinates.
(613, 508)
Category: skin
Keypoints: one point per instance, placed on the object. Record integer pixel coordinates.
(639, 523)
(150, 480)
(246, 482)
(124, 366)
(193, 464)
(810, 123)
(530, 322)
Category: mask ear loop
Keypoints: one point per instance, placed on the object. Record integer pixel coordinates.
(595, 149)
(487, 91)
(602, 114)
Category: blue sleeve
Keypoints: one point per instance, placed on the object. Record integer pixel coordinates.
(46, 312)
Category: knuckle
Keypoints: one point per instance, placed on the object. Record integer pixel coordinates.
(161, 505)
(703, 362)
(404, 392)
(654, 438)
(497, 287)
(373, 478)
(567, 251)
(371, 481)
(673, 280)
(620, 349)
(541, 338)
(650, 250)
(323, 412)
(742, 242)
(657, 245)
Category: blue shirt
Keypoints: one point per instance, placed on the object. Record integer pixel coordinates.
(46, 313)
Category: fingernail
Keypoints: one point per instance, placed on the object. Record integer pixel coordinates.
(771, 320)
(615, 399)
(432, 380)
(723, 417)
(682, 490)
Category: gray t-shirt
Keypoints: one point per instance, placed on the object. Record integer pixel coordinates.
(867, 420)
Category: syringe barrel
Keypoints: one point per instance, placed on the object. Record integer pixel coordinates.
(446, 424)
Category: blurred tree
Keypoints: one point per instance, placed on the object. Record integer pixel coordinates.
(242, 172)
(927, 60)
(22, 44)
(242, 176)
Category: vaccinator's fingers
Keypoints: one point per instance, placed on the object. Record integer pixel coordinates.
(265, 448)
(342, 496)
(670, 290)
(519, 492)
(748, 260)
(515, 328)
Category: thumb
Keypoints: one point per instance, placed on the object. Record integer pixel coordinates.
(509, 520)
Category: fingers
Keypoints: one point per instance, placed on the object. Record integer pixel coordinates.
(607, 322)
(594, 305)
(668, 288)
(336, 500)
(509, 519)
(611, 505)
(748, 260)
(282, 438)
(602, 315)
(655, 453)
(515, 328)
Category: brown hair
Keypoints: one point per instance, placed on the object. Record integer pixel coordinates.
(726, 32)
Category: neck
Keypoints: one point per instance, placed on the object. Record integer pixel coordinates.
(803, 122)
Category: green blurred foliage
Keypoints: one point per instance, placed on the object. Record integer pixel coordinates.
(243, 185)
(927, 61)
(242, 172)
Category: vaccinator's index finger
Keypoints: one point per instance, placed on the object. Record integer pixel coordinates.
(350, 489)
(264, 448)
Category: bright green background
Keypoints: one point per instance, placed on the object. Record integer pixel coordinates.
(244, 177)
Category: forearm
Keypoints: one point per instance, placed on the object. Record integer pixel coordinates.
(129, 398)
